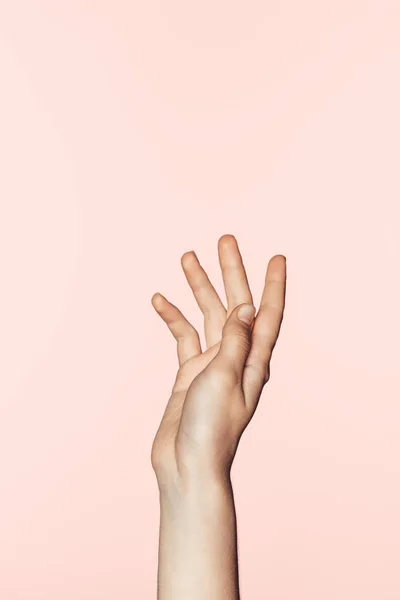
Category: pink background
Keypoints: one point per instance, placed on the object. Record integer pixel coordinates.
(132, 132)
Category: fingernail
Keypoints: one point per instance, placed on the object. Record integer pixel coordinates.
(246, 313)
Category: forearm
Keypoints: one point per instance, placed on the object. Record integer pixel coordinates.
(198, 542)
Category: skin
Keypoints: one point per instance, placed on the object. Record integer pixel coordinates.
(214, 397)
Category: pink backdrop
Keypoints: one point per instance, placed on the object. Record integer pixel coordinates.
(132, 132)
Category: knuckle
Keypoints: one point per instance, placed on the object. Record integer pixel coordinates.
(156, 456)
(242, 338)
(222, 374)
(187, 331)
(266, 372)
(261, 370)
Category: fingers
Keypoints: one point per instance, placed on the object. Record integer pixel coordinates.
(236, 341)
(233, 273)
(265, 330)
(206, 297)
(185, 334)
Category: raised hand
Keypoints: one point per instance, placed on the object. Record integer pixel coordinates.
(216, 391)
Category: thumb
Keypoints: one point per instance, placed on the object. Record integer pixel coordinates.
(236, 337)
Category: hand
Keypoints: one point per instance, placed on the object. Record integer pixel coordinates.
(216, 391)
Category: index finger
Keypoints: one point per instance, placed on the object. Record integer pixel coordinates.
(265, 330)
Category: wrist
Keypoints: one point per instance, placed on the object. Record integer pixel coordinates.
(195, 488)
(198, 545)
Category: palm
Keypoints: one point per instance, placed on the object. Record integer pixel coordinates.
(193, 367)
(187, 372)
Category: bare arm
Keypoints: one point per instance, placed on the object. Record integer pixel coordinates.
(198, 546)
(214, 396)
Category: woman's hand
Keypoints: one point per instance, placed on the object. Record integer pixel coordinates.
(216, 391)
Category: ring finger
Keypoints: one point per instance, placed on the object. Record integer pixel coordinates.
(206, 297)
